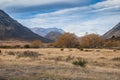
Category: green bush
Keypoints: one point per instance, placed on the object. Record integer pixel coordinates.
(5, 47)
(62, 49)
(17, 46)
(11, 53)
(81, 63)
(30, 54)
(26, 46)
(0, 51)
(116, 59)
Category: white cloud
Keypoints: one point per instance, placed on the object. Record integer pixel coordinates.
(8, 3)
(97, 18)
(107, 4)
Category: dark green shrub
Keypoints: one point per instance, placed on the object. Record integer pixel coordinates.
(62, 49)
(30, 54)
(81, 49)
(0, 51)
(116, 59)
(5, 47)
(26, 46)
(11, 53)
(17, 46)
(81, 63)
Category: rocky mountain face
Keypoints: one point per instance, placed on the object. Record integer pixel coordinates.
(13, 30)
(53, 35)
(44, 31)
(113, 33)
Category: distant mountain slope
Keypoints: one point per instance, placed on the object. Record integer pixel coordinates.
(113, 33)
(45, 31)
(12, 30)
(53, 35)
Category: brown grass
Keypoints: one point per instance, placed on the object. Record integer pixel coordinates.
(54, 64)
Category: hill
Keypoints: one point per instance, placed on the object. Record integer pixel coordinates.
(44, 31)
(10, 29)
(53, 35)
(113, 33)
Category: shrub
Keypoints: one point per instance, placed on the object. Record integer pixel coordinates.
(5, 47)
(26, 46)
(36, 43)
(69, 58)
(116, 59)
(0, 51)
(11, 53)
(17, 46)
(62, 49)
(81, 63)
(30, 54)
(81, 49)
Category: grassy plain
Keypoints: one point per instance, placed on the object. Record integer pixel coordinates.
(57, 64)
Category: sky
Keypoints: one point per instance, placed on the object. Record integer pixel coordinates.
(75, 16)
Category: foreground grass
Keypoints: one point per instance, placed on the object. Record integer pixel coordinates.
(54, 64)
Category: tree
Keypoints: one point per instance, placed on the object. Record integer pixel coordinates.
(36, 43)
(112, 43)
(91, 41)
(68, 40)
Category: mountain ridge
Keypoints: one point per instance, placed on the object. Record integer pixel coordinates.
(44, 31)
(113, 33)
(10, 29)
(53, 35)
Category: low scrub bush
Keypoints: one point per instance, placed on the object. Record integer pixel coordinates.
(26, 46)
(69, 58)
(81, 49)
(62, 49)
(0, 52)
(116, 59)
(30, 54)
(5, 47)
(81, 63)
(11, 53)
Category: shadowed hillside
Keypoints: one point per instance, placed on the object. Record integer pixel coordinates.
(113, 33)
(13, 30)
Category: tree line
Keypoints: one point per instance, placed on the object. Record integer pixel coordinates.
(70, 40)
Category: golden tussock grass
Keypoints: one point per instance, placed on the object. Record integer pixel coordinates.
(54, 64)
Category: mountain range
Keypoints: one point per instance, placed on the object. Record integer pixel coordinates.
(10, 29)
(44, 31)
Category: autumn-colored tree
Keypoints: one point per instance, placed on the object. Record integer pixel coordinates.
(68, 40)
(112, 43)
(36, 43)
(91, 41)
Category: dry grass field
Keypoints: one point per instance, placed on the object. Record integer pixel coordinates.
(59, 64)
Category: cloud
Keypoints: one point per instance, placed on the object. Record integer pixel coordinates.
(94, 18)
(40, 6)
(28, 3)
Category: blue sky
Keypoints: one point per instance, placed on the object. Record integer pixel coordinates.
(76, 16)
